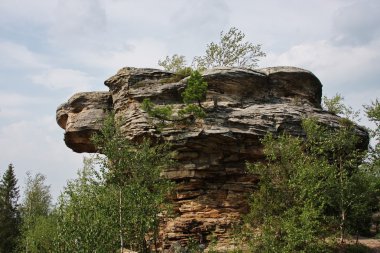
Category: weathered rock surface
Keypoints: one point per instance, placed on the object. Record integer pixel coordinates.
(81, 117)
(242, 106)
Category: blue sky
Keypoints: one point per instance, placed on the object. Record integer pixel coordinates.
(50, 49)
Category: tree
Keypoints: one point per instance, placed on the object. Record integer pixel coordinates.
(133, 172)
(351, 189)
(41, 237)
(37, 200)
(335, 105)
(230, 51)
(175, 64)
(325, 188)
(85, 221)
(9, 214)
(373, 113)
(373, 162)
(288, 205)
(195, 90)
(37, 230)
(118, 206)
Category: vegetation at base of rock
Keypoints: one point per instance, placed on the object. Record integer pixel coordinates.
(373, 113)
(326, 189)
(83, 222)
(119, 206)
(38, 230)
(9, 212)
(41, 237)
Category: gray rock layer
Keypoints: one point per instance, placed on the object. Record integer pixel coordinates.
(242, 106)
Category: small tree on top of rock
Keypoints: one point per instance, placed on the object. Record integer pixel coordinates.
(174, 63)
(195, 90)
(231, 51)
(335, 105)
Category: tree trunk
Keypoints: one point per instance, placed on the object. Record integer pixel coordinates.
(342, 225)
(120, 222)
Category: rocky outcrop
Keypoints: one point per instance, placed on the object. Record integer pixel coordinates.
(242, 106)
(81, 117)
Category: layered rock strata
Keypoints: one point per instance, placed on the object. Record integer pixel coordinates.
(242, 106)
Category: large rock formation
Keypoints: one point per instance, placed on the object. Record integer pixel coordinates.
(242, 106)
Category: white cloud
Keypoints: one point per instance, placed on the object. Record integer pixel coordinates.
(24, 11)
(78, 24)
(37, 146)
(15, 99)
(352, 71)
(139, 53)
(14, 105)
(357, 23)
(17, 56)
(60, 78)
(335, 64)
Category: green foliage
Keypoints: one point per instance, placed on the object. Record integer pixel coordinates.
(179, 75)
(353, 190)
(38, 227)
(355, 248)
(192, 109)
(41, 237)
(310, 190)
(195, 90)
(184, 72)
(86, 222)
(335, 105)
(9, 214)
(163, 112)
(120, 205)
(135, 170)
(230, 51)
(281, 209)
(373, 162)
(373, 113)
(37, 201)
(175, 64)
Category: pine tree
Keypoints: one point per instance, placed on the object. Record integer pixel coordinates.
(9, 215)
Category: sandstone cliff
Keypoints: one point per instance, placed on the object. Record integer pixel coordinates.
(242, 106)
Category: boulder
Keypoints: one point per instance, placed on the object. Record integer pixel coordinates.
(242, 105)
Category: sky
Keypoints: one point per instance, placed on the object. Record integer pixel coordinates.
(51, 49)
